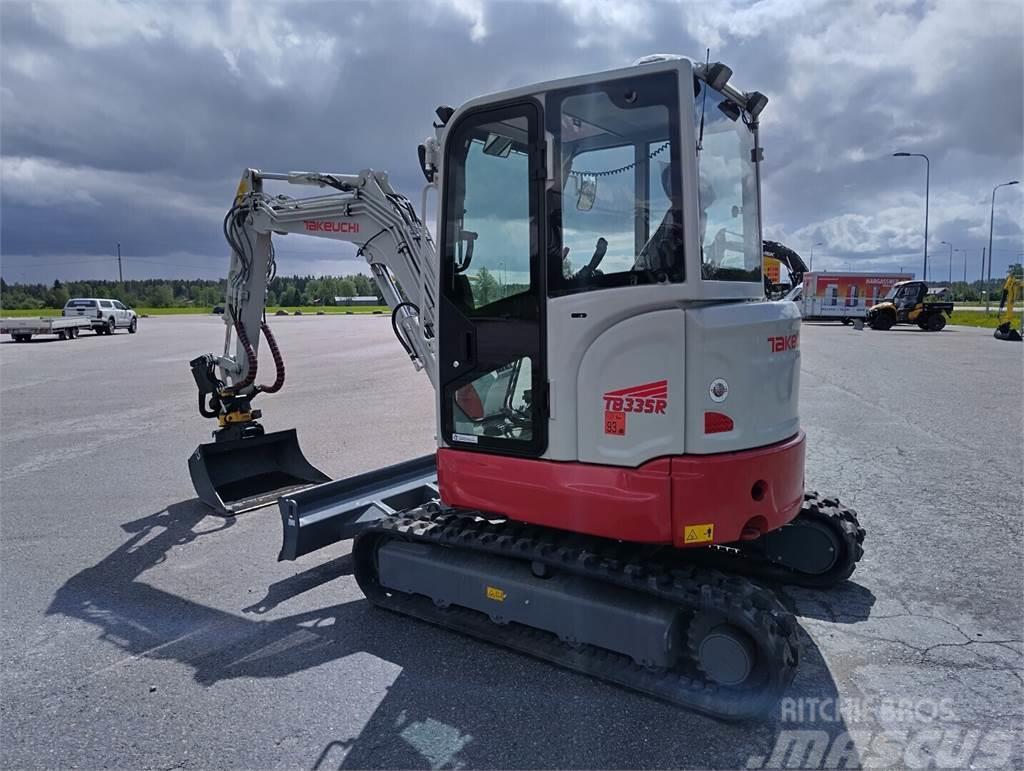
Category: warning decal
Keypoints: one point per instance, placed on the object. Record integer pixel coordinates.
(698, 533)
(615, 423)
(494, 593)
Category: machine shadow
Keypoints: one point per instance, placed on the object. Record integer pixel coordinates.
(559, 719)
(293, 586)
(847, 603)
(456, 703)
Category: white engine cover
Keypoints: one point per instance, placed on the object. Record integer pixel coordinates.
(626, 389)
(754, 349)
(631, 387)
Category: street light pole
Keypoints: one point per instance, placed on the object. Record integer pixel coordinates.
(991, 220)
(927, 185)
(811, 266)
(950, 259)
(120, 275)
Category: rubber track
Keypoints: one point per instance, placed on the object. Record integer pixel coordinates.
(732, 598)
(843, 523)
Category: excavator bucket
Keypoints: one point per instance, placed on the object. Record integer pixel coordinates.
(243, 474)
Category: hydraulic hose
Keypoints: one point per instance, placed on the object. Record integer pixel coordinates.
(250, 354)
(206, 413)
(398, 332)
(278, 361)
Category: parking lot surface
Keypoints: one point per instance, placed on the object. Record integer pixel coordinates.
(140, 632)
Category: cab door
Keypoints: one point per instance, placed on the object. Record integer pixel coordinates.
(492, 368)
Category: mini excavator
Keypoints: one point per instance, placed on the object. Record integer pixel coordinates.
(620, 463)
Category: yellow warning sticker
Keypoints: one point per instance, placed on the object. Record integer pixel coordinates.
(494, 593)
(698, 533)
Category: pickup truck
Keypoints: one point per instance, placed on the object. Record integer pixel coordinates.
(105, 314)
(22, 330)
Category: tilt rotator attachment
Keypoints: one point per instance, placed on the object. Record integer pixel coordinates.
(244, 468)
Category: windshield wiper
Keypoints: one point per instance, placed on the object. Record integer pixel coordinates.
(704, 103)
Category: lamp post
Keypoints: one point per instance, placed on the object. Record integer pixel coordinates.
(927, 185)
(811, 266)
(964, 253)
(950, 260)
(991, 220)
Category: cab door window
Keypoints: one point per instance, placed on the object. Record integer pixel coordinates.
(491, 362)
(490, 229)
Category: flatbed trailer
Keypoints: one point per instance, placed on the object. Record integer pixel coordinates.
(22, 330)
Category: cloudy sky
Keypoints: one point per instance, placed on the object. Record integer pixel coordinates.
(130, 122)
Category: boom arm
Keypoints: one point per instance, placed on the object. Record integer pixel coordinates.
(362, 209)
(1011, 294)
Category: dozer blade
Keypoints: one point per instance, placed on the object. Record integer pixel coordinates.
(243, 474)
(336, 511)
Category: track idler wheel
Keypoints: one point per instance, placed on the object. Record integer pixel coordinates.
(821, 547)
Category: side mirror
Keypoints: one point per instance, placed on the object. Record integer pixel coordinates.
(498, 146)
(586, 192)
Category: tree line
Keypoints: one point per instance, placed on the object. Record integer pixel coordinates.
(288, 291)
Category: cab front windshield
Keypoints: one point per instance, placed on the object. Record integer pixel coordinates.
(727, 208)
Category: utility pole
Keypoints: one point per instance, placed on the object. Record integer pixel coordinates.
(981, 281)
(120, 275)
(811, 266)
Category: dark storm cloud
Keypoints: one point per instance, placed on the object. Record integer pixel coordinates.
(131, 122)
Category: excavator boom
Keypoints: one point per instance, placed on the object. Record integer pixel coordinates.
(1007, 303)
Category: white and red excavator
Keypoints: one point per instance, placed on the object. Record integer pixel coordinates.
(619, 448)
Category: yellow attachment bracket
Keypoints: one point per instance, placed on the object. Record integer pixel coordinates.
(234, 417)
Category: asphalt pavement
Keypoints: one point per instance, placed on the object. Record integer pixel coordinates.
(138, 631)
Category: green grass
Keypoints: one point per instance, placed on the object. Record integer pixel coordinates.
(332, 309)
(17, 314)
(306, 309)
(976, 319)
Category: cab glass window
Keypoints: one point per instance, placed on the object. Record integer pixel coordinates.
(616, 214)
(731, 248)
(498, 404)
(489, 234)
